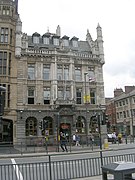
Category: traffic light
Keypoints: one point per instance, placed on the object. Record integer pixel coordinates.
(108, 124)
(105, 119)
(41, 124)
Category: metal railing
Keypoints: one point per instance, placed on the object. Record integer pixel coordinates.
(40, 144)
(59, 169)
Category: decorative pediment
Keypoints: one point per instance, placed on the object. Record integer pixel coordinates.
(66, 111)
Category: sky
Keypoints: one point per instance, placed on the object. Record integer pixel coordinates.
(116, 17)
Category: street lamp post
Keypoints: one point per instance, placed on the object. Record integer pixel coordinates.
(100, 138)
(86, 109)
(58, 124)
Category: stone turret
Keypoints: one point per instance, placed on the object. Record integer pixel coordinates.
(18, 37)
(16, 4)
(24, 41)
(100, 43)
(89, 38)
(58, 31)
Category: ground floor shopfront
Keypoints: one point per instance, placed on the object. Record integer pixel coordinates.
(32, 124)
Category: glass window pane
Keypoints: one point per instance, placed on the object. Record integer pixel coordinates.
(31, 72)
(59, 72)
(30, 92)
(36, 40)
(65, 42)
(2, 38)
(4, 70)
(78, 74)
(45, 40)
(78, 96)
(6, 30)
(1, 55)
(56, 41)
(46, 72)
(6, 38)
(66, 72)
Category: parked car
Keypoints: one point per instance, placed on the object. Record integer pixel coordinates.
(111, 139)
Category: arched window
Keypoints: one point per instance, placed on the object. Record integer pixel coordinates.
(31, 127)
(80, 125)
(47, 126)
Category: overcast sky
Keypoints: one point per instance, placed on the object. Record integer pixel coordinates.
(116, 17)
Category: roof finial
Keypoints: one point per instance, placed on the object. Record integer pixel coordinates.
(58, 31)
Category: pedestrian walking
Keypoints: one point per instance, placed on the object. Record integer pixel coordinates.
(63, 142)
(74, 139)
(91, 139)
(120, 138)
(114, 138)
(77, 140)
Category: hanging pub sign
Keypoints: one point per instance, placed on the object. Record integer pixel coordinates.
(64, 126)
(47, 132)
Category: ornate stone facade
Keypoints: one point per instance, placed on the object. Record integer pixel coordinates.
(58, 80)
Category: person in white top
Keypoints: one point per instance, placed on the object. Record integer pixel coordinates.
(114, 137)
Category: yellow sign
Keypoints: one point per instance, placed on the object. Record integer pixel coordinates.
(86, 99)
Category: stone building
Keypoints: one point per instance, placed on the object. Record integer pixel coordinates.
(56, 81)
(8, 67)
(125, 111)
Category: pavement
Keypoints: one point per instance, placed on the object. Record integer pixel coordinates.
(10, 151)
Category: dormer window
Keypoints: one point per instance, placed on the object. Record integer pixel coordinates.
(74, 42)
(65, 40)
(56, 40)
(46, 38)
(35, 38)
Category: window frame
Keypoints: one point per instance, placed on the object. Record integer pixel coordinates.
(4, 33)
(31, 95)
(31, 72)
(78, 98)
(78, 73)
(46, 95)
(46, 71)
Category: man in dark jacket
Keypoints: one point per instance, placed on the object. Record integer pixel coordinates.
(63, 142)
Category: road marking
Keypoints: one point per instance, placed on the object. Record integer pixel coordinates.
(17, 171)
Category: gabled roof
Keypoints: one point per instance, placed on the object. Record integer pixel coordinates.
(65, 37)
(74, 38)
(36, 34)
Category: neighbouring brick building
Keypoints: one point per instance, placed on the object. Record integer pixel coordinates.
(121, 110)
